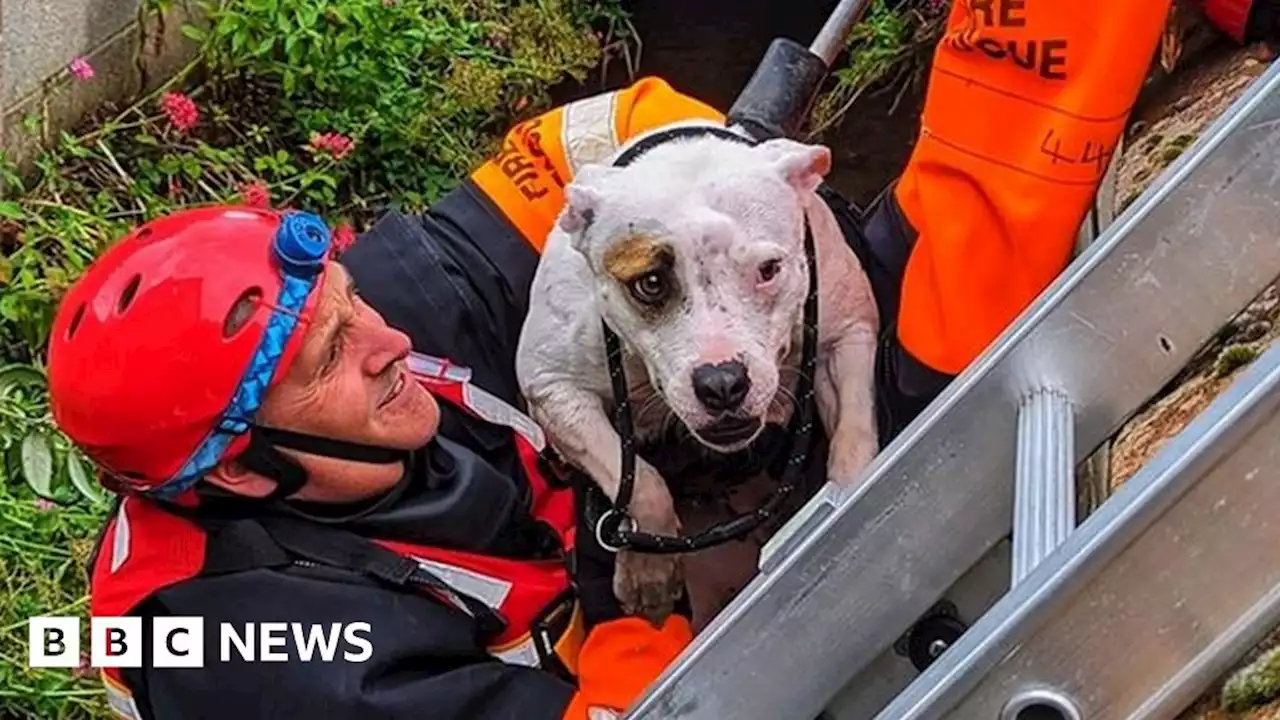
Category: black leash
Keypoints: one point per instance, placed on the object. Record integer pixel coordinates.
(615, 528)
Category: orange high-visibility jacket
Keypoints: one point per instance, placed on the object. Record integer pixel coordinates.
(1027, 100)
(540, 156)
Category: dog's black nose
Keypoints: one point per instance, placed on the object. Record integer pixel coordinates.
(721, 387)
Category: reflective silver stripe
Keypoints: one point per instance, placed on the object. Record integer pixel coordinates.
(120, 544)
(589, 134)
(442, 368)
(120, 700)
(490, 590)
(496, 410)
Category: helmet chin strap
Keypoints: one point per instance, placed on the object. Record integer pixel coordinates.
(264, 457)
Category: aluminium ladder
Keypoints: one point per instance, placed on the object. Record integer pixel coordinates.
(1142, 584)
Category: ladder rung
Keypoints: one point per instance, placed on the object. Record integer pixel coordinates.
(1044, 480)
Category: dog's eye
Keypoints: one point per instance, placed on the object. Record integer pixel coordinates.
(649, 287)
(769, 269)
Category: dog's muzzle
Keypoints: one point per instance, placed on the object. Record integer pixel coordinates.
(730, 430)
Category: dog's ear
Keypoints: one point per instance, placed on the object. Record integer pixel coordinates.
(582, 199)
(580, 203)
(803, 166)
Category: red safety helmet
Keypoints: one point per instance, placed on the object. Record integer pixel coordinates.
(162, 351)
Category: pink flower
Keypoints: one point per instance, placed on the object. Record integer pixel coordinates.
(181, 110)
(335, 144)
(256, 194)
(45, 504)
(343, 237)
(81, 69)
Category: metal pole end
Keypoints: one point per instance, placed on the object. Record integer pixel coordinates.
(1040, 704)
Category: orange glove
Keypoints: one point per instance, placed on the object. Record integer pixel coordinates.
(619, 660)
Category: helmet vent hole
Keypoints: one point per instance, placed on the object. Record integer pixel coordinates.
(241, 311)
(75, 321)
(126, 297)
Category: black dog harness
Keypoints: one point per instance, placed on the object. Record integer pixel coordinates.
(615, 528)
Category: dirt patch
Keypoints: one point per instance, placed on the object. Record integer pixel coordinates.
(1251, 333)
(1174, 110)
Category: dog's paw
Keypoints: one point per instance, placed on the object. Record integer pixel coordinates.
(648, 585)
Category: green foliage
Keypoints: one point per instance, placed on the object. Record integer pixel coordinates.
(43, 552)
(1255, 684)
(423, 86)
(342, 107)
(887, 51)
(1234, 357)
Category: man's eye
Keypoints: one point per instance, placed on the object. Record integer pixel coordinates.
(649, 288)
(333, 355)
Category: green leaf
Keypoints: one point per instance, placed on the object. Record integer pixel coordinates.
(19, 374)
(11, 210)
(82, 480)
(194, 32)
(37, 463)
(13, 463)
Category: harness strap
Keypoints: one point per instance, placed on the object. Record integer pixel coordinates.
(646, 144)
(329, 447)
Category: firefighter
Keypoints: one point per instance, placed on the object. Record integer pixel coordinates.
(1026, 103)
(283, 457)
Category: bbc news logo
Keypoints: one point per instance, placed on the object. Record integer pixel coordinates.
(178, 642)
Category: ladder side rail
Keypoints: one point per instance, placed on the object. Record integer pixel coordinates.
(1189, 253)
(1155, 595)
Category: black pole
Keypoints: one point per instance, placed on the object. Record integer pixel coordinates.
(778, 96)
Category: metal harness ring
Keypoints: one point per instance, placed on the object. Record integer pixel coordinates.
(600, 529)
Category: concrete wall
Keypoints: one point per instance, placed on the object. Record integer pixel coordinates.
(132, 52)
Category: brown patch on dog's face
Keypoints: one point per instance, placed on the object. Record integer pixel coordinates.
(643, 265)
(634, 256)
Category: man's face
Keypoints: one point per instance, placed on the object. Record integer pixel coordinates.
(348, 382)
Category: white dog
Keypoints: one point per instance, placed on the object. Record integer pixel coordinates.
(694, 257)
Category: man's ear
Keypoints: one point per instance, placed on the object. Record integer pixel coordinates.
(803, 166)
(235, 478)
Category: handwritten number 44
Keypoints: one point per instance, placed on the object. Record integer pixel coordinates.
(1095, 153)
